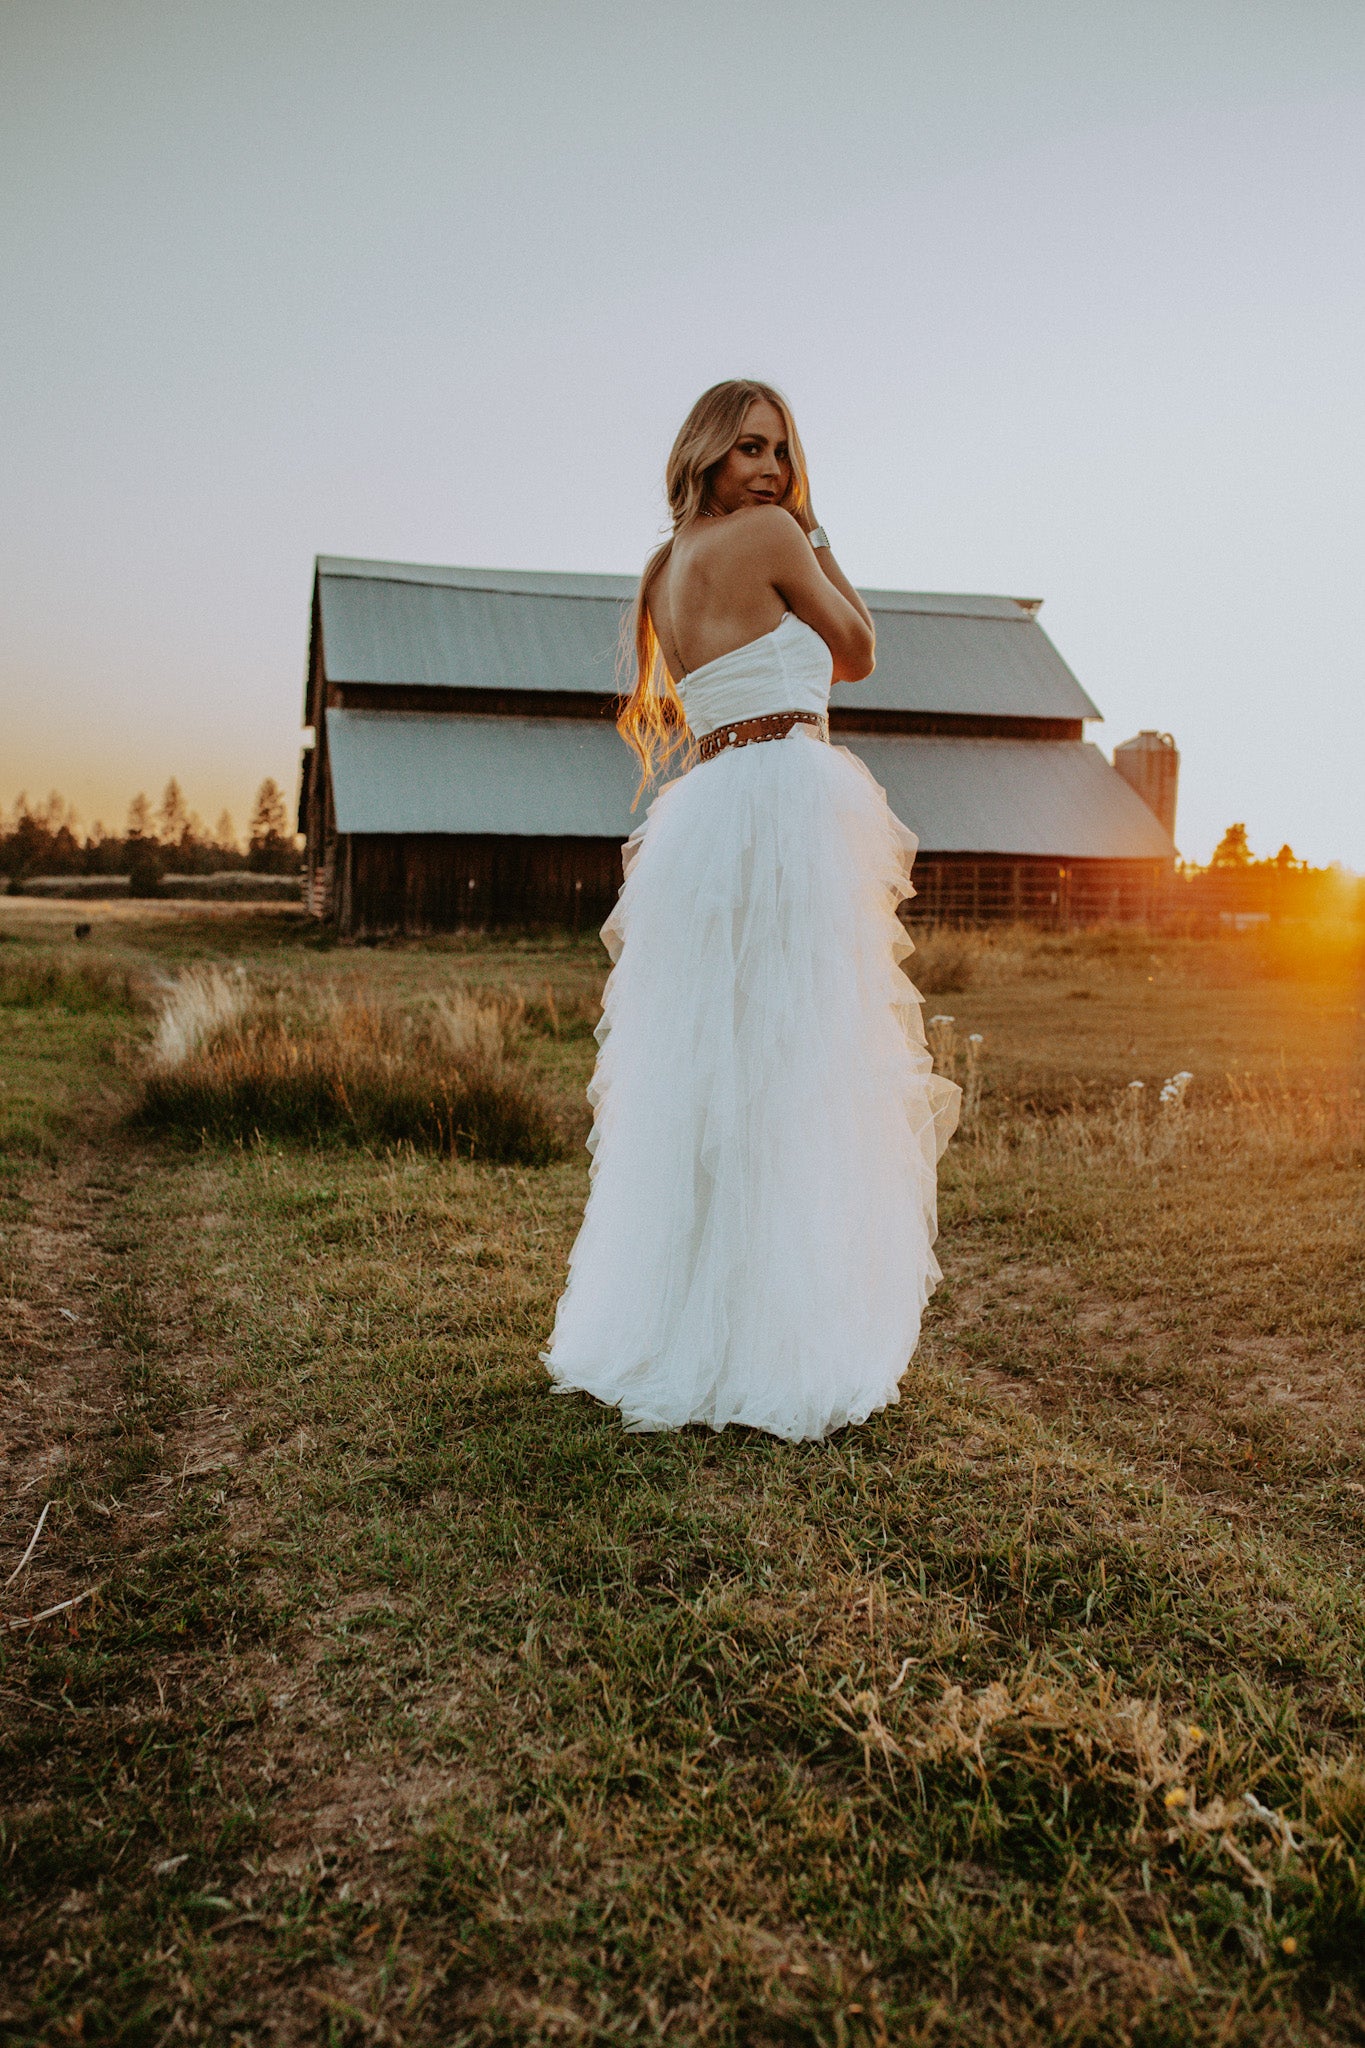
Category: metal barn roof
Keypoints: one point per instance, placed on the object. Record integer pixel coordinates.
(437, 772)
(400, 622)
(1013, 796)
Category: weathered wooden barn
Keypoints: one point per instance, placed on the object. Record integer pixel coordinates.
(466, 770)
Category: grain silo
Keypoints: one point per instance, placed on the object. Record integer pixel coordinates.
(1150, 764)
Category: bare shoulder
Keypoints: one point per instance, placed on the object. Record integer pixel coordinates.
(762, 531)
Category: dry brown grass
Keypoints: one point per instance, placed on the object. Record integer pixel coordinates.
(232, 1061)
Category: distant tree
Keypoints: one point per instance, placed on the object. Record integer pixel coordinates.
(25, 841)
(173, 818)
(1232, 850)
(41, 839)
(195, 853)
(63, 847)
(271, 843)
(224, 848)
(1285, 857)
(102, 853)
(142, 854)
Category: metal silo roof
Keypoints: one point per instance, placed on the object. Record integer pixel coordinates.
(400, 622)
(401, 771)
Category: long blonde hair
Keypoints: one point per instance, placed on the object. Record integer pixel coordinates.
(651, 718)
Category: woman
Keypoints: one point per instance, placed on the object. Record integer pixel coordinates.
(758, 1241)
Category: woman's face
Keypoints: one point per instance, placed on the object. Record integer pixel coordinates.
(757, 470)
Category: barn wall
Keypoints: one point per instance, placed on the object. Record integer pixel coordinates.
(389, 883)
(317, 816)
(392, 882)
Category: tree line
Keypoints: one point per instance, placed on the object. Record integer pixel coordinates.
(1233, 853)
(1238, 885)
(169, 838)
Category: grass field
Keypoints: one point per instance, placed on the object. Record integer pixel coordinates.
(402, 1700)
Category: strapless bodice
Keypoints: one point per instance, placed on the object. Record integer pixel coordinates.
(789, 669)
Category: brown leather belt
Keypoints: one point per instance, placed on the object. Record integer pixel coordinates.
(748, 732)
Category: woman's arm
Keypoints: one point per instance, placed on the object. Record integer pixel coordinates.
(811, 584)
(825, 559)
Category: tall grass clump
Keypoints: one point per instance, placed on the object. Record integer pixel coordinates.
(199, 1007)
(230, 1061)
(576, 1015)
(950, 958)
(39, 981)
(1232, 1123)
(959, 1059)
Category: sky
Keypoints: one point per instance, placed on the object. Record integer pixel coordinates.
(1068, 299)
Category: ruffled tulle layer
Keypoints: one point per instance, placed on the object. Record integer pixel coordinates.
(758, 1241)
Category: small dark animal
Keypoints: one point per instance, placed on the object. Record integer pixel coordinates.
(82, 931)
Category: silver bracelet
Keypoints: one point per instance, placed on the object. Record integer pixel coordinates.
(817, 537)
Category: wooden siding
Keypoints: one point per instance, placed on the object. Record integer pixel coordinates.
(965, 725)
(477, 703)
(389, 882)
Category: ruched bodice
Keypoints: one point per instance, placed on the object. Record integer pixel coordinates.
(789, 669)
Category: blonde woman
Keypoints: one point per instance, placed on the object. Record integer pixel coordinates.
(758, 1241)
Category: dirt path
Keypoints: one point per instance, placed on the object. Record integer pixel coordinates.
(65, 1407)
(150, 1511)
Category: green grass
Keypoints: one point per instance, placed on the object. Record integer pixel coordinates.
(63, 1018)
(420, 1703)
(33, 980)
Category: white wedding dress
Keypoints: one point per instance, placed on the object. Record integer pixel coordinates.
(758, 1240)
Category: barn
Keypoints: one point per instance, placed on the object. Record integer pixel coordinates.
(465, 768)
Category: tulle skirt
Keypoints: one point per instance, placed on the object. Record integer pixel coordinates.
(758, 1241)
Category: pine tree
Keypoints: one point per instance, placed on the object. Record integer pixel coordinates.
(142, 852)
(272, 850)
(173, 818)
(28, 841)
(1232, 850)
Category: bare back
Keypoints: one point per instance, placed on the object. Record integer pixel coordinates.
(711, 596)
(729, 580)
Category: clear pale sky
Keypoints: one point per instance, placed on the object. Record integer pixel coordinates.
(1069, 299)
